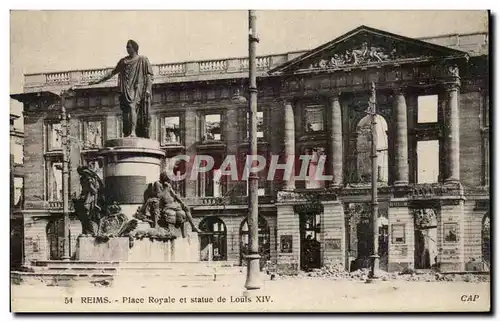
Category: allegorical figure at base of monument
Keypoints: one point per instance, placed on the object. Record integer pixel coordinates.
(163, 207)
(88, 205)
(135, 84)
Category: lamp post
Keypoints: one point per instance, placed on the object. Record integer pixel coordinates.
(253, 257)
(374, 204)
(65, 177)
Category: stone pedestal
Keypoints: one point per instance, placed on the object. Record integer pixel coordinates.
(144, 250)
(130, 164)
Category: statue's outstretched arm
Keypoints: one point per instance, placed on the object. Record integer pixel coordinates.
(109, 74)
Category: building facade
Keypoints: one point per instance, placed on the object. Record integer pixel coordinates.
(432, 98)
(16, 190)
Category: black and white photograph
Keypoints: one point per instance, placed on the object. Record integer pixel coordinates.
(250, 161)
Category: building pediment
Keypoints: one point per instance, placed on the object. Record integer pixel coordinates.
(365, 47)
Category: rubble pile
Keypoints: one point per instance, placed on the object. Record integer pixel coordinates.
(337, 272)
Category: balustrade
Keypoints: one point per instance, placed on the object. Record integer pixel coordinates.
(57, 77)
(172, 69)
(213, 66)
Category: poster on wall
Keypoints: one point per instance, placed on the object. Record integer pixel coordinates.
(398, 234)
(286, 243)
(333, 244)
(450, 232)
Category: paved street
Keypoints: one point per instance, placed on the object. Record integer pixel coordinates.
(294, 294)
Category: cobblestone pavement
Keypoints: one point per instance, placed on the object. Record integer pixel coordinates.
(300, 293)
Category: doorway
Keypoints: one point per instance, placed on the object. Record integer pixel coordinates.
(425, 239)
(310, 246)
(55, 238)
(213, 239)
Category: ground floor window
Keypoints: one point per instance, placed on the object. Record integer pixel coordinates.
(213, 239)
(264, 241)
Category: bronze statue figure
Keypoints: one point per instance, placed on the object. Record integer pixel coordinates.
(135, 85)
(88, 205)
(163, 207)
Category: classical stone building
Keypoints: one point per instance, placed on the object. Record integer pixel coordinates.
(432, 98)
(16, 189)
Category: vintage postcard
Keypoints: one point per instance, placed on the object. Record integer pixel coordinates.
(250, 161)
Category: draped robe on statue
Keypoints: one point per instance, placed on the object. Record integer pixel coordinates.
(135, 79)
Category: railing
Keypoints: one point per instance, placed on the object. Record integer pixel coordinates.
(57, 77)
(92, 75)
(58, 205)
(213, 66)
(172, 69)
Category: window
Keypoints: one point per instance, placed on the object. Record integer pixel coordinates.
(211, 184)
(260, 125)
(170, 130)
(54, 132)
(428, 161)
(314, 119)
(364, 150)
(18, 191)
(18, 153)
(54, 180)
(212, 130)
(177, 169)
(92, 134)
(312, 180)
(427, 109)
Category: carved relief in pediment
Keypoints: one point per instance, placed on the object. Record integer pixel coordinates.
(365, 54)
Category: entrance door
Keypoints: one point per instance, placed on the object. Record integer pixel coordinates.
(264, 242)
(425, 239)
(55, 238)
(213, 239)
(365, 241)
(16, 243)
(310, 247)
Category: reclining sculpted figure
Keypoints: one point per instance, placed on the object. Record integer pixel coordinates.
(163, 207)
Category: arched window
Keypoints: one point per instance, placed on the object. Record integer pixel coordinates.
(485, 237)
(213, 239)
(364, 149)
(264, 241)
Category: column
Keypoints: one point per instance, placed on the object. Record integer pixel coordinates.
(401, 138)
(452, 135)
(190, 129)
(232, 126)
(289, 183)
(335, 146)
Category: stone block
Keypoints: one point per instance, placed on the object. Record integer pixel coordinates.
(115, 249)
